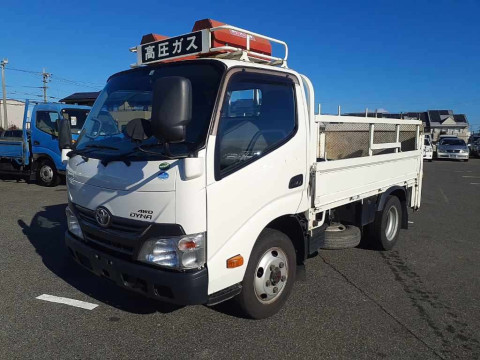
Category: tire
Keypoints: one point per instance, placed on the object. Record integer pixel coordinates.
(47, 174)
(347, 237)
(387, 224)
(258, 298)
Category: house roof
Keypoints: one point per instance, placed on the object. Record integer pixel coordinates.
(81, 96)
(460, 118)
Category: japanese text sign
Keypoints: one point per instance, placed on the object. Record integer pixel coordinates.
(188, 44)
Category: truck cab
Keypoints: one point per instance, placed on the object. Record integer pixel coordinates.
(193, 178)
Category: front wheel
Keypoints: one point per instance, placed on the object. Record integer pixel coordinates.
(47, 174)
(270, 275)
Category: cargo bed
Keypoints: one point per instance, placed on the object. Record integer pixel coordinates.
(362, 157)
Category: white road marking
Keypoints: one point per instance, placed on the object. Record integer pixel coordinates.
(471, 176)
(67, 301)
(410, 222)
(474, 183)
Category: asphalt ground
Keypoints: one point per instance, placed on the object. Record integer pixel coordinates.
(418, 301)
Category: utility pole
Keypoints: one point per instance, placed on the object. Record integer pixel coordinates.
(5, 116)
(45, 76)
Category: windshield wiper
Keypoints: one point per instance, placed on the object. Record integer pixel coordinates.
(91, 147)
(96, 146)
(124, 157)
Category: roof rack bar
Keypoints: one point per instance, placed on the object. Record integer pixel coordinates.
(247, 32)
(240, 50)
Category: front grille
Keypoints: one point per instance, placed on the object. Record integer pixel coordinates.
(109, 244)
(120, 238)
(453, 151)
(119, 224)
(123, 237)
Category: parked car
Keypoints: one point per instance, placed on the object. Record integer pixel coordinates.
(475, 148)
(427, 149)
(452, 148)
(472, 140)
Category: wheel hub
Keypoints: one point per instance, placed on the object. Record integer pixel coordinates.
(275, 276)
(46, 173)
(271, 275)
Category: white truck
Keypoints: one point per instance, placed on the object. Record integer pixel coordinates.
(203, 173)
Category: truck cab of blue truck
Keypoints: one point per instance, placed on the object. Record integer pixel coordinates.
(36, 154)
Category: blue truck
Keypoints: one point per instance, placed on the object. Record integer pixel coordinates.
(34, 153)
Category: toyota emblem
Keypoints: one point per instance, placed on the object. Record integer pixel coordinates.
(103, 217)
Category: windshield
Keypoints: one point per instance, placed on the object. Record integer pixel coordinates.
(453, 142)
(128, 96)
(77, 118)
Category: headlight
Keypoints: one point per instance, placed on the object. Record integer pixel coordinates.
(464, 151)
(72, 222)
(179, 252)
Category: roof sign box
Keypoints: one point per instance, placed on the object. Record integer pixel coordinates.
(233, 37)
(209, 38)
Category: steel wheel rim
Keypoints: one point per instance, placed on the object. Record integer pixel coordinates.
(46, 173)
(271, 275)
(392, 223)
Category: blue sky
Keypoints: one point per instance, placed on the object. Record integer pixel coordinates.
(396, 55)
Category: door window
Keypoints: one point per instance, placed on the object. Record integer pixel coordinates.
(258, 115)
(47, 122)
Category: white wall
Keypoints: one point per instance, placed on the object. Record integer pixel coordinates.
(15, 111)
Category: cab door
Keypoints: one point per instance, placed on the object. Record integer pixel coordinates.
(45, 134)
(257, 168)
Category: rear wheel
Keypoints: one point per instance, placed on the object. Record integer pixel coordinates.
(47, 174)
(270, 275)
(387, 224)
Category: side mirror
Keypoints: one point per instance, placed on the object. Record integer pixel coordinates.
(171, 108)
(64, 134)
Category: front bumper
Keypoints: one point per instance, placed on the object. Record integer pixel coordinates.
(457, 156)
(183, 288)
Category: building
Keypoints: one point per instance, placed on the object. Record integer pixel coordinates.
(81, 98)
(446, 122)
(435, 122)
(15, 111)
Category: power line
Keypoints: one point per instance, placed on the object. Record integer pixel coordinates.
(59, 78)
(25, 86)
(84, 83)
(25, 71)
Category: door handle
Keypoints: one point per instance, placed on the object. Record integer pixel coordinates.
(295, 181)
(36, 142)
